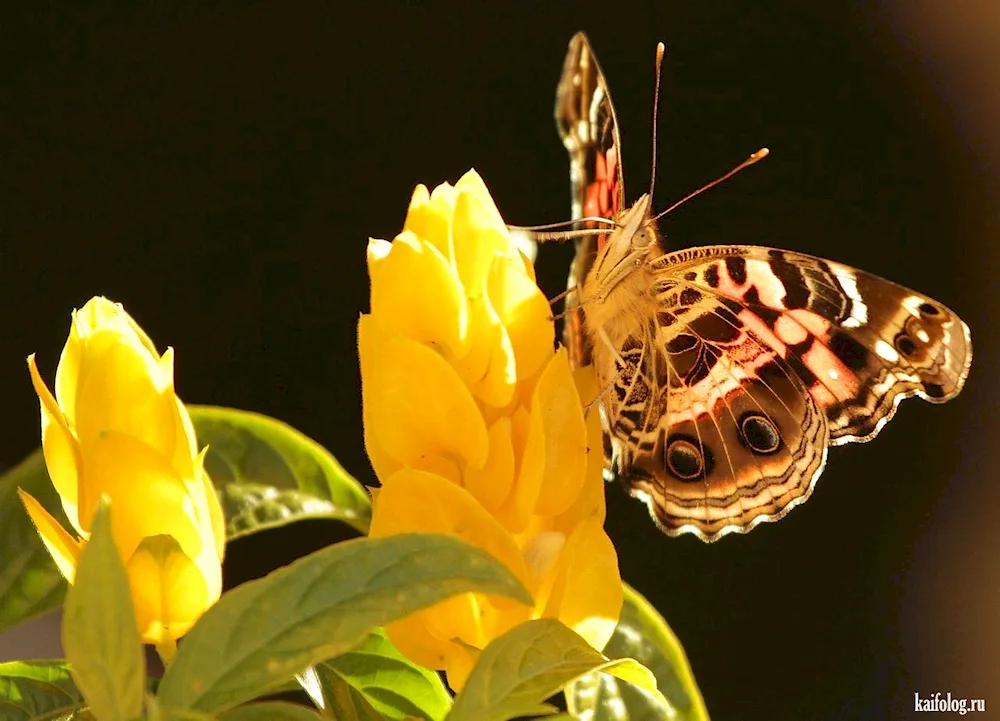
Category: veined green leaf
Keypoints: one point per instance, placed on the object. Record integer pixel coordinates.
(265, 631)
(272, 711)
(394, 686)
(37, 690)
(338, 699)
(530, 663)
(641, 634)
(99, 632)
(268, 474)
(30, 583)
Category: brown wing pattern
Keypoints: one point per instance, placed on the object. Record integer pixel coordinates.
(753, 361)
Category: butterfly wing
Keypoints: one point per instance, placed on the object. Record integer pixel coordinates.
(754, 362)
(585, 117)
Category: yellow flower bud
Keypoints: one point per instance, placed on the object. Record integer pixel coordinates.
(116, 427)
(475, 427)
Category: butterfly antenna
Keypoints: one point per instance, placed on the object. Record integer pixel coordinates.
(759, 155)
(660, 49)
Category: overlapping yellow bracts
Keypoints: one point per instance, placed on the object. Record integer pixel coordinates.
(116, 427)
(475, 427)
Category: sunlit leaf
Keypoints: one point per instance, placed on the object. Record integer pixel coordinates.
(264, 632)
(273, 711)
(30, 583)
(31, 690)
(641, 634)
(268, 474)
(395, 686)
(99, 632)
(525, 666)
(338, 698)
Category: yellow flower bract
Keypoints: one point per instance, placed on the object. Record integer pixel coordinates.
(475, 427)
(116, 428)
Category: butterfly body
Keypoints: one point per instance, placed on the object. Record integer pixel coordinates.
(727, 371)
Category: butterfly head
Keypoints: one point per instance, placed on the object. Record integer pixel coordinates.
(621, 252)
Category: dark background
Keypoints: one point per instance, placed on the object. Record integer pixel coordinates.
(219, 172)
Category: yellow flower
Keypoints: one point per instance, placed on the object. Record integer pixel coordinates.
(475, 428)
(116, 427)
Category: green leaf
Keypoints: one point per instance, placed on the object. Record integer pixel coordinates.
(99, 632)
(268, 474)
(338, 698)
(530, 663)
(156, 712)
(30, 583)
(35, 690)
(272, 711)
(641, 634)
(395, 686)
(264, 632)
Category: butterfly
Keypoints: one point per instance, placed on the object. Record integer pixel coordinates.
(727, 371)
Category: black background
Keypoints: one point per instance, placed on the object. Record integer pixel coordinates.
(219, 172)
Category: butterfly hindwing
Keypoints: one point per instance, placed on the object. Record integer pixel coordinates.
(708, 426)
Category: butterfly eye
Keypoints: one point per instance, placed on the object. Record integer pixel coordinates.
(643, 239)
(759, 434)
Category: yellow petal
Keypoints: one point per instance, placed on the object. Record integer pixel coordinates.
(414, 641)
(119, 388)
(64, 549)
(529, 462)
(458, 665)
(478, 235)
(490, 368)
(491, 484)
(417, 405)
(138, 480)
(168, 590)
(529, 268)
(456, 618)
(60, 448)
(430, 217)
(415, 501)
(557, 403)
(590, 503)
(382, 462)
(524, 312)
(98, 315)
(587, 594)
(541, 553)
(216, 518)
(472, 184)
(185, 442)
(416, 294)
(439, 466)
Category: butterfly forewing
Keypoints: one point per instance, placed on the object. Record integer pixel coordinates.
(585, 117)
(729, 370)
